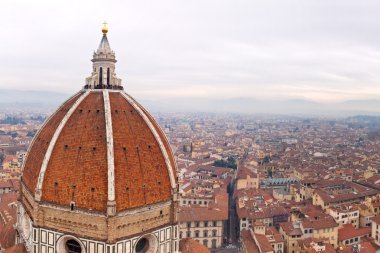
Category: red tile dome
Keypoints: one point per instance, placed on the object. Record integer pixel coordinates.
(100, 148)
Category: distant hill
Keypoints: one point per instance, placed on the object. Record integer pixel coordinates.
(252, 105)
(30, 100)
(47, 100)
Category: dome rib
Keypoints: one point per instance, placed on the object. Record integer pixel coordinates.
(52, 143)
(103, 152)
(77, 169)
(152, 128)
(39, 145)
(110, 154)
(162, 136)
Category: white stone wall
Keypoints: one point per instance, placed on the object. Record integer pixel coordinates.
(48, 241)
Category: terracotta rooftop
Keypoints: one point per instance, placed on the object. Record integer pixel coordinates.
(216, 211)
(326, 222)
(376, 219)
(263, 242)
(248, 242)
(189, 245)
(289, 228)
(98, 144)
(348, 232)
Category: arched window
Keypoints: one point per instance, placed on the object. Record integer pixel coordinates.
(73, 246)
(213, 243)
(100, 76)
(108, 76)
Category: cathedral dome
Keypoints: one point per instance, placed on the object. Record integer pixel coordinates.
(99, 176)
(100, 148)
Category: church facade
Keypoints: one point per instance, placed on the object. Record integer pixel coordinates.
(99, 176)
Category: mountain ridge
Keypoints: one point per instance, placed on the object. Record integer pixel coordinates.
(49, 100)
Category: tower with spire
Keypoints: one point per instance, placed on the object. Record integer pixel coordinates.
(103, 74)
(99, 176)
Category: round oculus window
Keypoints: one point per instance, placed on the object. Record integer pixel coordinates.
(142, 245)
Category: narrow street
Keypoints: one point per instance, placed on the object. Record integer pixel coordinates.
(230, 234)
(232, 221)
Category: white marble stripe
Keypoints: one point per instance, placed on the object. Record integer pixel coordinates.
(156, 135)
(42, 127)
(110, 149)
(53, 142)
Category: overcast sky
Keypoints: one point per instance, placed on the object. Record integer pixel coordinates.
(322, 50)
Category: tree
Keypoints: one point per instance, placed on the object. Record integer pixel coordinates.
(2, 156)
(230, 163)
(31, 133)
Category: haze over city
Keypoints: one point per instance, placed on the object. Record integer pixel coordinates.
(322, 51)
(175, 126)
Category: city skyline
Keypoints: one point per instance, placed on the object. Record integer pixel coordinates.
(318, 51)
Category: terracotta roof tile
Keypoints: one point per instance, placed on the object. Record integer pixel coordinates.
(77, 170)
(40, 144)
(189, 245)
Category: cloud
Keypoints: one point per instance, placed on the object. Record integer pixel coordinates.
(318, 50)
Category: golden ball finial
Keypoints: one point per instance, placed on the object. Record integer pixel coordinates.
(105, 28)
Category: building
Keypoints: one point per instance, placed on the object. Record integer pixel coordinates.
(324, 230)
(345, 214)
(99, 175)
(262, 240)
(314, 245)
(348, 235)
(292, 233)
(205, 224)
(375, 234)
(335, 193)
